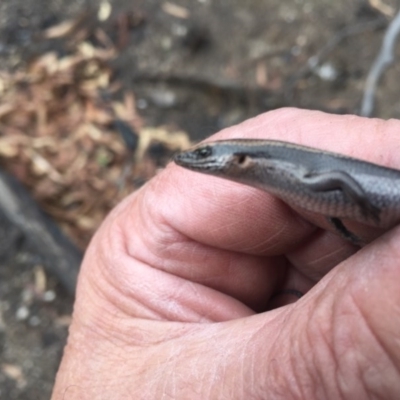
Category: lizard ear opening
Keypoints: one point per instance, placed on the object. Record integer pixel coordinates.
(242, 160)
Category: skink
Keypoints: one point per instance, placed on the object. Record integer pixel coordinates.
(336, 186)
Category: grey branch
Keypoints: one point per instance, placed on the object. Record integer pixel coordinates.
(382, 61)
(59, 255)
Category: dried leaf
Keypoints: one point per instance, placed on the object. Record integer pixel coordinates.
(104, 11)
(175, 10)
(60, 30)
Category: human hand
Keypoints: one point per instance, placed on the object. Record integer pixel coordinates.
(174, 289)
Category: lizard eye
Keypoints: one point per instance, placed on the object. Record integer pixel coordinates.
(203, 152)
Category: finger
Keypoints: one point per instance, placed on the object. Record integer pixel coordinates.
(347, 326)
(372, 292)
(194, 282)
(228, 215)
(202, 198)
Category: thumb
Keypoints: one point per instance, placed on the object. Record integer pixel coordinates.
(341, 340)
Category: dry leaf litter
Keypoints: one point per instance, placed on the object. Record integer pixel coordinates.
(61, 135)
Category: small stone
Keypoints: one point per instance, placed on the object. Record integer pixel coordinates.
(22, 313)
(49, 296)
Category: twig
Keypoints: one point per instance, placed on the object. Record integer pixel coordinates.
(384, 59)
(59, 255)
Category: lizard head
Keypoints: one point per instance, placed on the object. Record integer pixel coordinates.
(215, 158)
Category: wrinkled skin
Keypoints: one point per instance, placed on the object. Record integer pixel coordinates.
(177, 296)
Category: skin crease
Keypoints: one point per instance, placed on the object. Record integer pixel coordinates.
(173, 291)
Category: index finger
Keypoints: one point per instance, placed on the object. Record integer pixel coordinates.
(247, 220)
